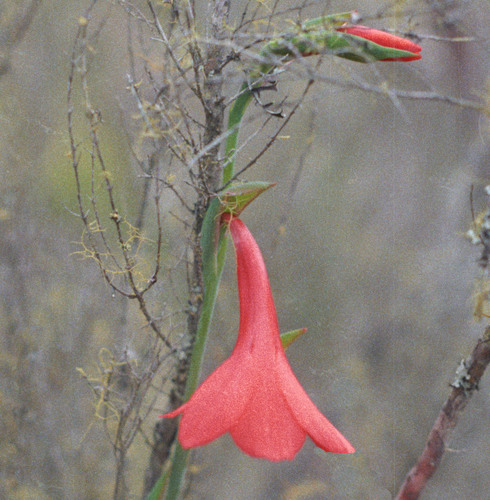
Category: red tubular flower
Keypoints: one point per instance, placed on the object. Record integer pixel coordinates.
(384, 39)
(254, 395)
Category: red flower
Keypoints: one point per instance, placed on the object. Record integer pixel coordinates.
(254, 395)
(384, 39)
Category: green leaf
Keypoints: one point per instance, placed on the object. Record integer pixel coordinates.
(289, 337)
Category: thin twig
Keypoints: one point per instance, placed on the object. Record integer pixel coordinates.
(286, 210)
(403, 94)
(165, 40)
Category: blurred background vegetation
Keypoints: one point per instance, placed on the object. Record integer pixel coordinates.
(363, 237)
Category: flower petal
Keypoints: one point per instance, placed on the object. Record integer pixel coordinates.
(308, 416)
(258, 320)
(254, 394)
(267, 428)
(216, 405)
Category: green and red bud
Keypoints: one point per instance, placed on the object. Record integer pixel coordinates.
(336, 36)
(384, 39)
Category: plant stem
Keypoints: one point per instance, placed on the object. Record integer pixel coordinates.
(234, 121)
(214, 254)
(212, 279)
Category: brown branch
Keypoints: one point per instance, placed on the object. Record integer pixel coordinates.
(208, 86)
(468, 374)
(164, 434)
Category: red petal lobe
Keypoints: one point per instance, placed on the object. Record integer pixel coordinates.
(267, 428)
(308, 416)
(216, 405)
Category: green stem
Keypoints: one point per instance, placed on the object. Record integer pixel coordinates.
(179, 466)
(213, 253)
(234, 121)
(181, 456)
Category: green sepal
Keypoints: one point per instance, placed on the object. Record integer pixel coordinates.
(325, 22)
(288, 338)
(239, 195)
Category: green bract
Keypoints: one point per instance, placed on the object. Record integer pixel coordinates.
(240, 194)
(233, 200)
(288, 338)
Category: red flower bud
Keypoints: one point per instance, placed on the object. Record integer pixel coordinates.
(384, 39)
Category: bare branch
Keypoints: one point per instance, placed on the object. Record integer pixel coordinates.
(468, 377)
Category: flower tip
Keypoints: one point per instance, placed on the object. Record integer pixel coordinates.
(350, 449)
(172, 414)
(343, 447)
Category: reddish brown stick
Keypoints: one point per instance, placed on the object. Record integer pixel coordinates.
(469, 374)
